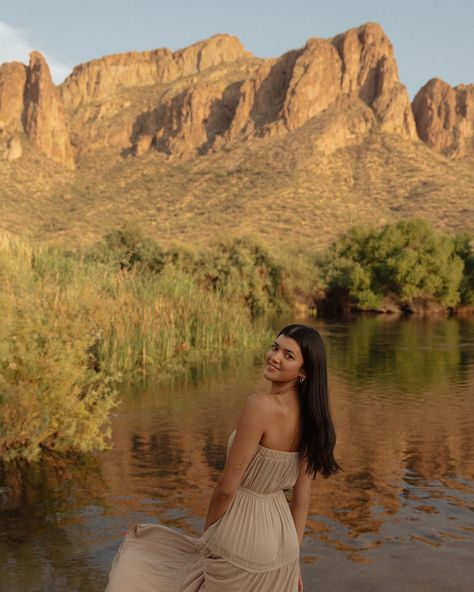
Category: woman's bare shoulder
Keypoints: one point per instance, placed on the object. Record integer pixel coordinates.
(257, 413)
(262, 400)
(262, 403)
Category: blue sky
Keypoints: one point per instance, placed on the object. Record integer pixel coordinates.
(432, 38)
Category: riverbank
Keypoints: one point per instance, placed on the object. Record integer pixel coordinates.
(77, 323)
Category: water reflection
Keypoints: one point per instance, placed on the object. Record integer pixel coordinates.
(402, 397)
(408, 354)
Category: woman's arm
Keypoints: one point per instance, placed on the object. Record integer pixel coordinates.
(250, 428)
(299, 503)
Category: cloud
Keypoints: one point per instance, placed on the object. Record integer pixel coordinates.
(16, 45)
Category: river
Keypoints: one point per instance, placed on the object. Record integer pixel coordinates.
(400, 516)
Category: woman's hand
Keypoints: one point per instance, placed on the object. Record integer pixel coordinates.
(300, 582)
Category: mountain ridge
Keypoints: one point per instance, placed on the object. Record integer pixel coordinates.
(119, 129)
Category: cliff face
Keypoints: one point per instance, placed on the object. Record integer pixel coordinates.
(445, 117)
(30, 105)
(282, 95)
(12, 85)
(359, 64)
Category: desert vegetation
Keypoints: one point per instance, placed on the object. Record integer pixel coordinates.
(77, 322)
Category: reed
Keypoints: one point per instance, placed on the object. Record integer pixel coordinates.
(164, 324)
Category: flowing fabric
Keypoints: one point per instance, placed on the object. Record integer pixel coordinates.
(253, 547)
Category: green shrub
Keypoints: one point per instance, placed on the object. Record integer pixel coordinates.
(128, 247)
(243, 271)
(51, 392)
(240, 270)
(408, 261)
(302, 281)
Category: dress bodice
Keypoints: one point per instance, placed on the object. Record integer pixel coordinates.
(269, 470)
(257, 533)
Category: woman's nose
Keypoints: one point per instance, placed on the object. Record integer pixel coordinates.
(275, 357)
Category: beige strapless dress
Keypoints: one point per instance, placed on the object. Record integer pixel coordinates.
(253, 547)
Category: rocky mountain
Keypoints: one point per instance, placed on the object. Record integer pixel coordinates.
(151, 131)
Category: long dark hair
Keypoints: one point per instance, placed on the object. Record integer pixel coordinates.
(319, 435)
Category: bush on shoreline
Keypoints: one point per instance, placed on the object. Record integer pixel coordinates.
(240, 270)
(51, 396)
(404, 266)
(464, 250)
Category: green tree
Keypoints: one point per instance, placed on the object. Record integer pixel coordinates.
(407, 262)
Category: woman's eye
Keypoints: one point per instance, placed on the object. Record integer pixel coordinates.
(274, 347)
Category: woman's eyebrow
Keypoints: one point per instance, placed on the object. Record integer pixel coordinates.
(284, 348)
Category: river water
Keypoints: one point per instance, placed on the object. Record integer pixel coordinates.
(399, 517)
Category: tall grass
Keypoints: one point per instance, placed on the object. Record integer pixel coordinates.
(50, 393)
(156, 324)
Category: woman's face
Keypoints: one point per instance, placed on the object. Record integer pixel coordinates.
(284, 361)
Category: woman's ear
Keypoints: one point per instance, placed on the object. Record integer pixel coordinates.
(302, 373)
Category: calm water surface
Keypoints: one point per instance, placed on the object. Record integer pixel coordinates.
(399, 517)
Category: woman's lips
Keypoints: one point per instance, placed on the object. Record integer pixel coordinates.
(272, 368)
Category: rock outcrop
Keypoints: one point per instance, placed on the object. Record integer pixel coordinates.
(284, 94)
(190, 121)
(12, 86)
(358, 64)
(30, 105)
(101, 78)
(43, 115)
(445, 117)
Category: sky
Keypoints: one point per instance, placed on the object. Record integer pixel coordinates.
(431, 38)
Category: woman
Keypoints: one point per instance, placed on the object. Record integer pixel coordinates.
(251, 536)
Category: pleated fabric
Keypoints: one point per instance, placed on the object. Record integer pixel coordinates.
(253, 547)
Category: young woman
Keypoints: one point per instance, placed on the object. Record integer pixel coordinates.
(251, 536)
